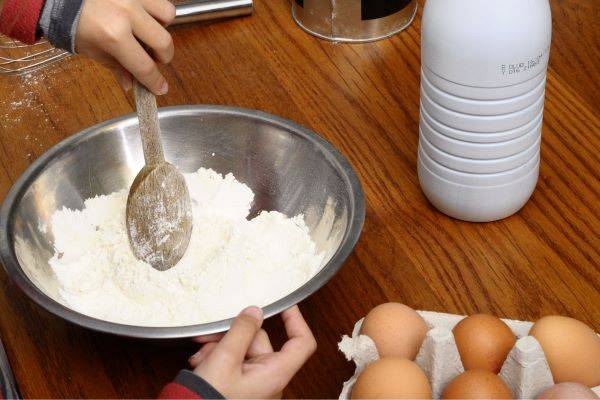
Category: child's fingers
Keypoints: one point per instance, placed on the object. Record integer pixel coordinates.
(301, 344)
(130, 54)
(215, 337)
(162, 10)
(155, 36)
(234, 345)
(260, 345)
(202, 354)
(123, 76)
(296, 326)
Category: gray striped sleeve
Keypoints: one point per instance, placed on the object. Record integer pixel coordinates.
(59, 21)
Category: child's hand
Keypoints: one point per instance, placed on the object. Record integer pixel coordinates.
(109, 30)
(242, 363)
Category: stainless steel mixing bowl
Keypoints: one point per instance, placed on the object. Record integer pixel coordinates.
(290, 169)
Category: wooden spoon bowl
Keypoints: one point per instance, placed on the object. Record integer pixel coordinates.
(159, 209)
(159, 216)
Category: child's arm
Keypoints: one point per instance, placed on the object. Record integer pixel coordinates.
(242, 363)
(110, 31)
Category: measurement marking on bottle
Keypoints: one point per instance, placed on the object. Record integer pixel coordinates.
(520, 67)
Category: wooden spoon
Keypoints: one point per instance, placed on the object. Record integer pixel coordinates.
(159, 211)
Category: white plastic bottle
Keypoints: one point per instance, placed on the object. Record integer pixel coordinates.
(483, 81)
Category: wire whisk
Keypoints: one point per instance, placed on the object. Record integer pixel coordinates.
(18, 59)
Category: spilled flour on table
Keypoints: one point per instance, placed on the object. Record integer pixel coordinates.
(231, 262)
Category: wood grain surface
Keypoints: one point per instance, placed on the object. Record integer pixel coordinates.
(365, 100)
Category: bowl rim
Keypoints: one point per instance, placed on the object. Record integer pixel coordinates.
(357, 211)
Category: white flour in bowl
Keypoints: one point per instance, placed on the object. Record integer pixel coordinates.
(231, 262)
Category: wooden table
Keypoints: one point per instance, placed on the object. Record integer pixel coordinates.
(365, 100)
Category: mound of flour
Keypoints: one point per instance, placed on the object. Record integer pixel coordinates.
(231, 262)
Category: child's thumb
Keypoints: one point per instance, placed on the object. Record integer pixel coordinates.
(244, 328)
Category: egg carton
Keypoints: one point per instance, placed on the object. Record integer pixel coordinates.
(525, 370)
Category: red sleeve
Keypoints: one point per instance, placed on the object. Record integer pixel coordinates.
(19, 19)
(188, 385)
(176, 391)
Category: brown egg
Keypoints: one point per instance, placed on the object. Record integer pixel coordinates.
(568, 390)
(392, 378)
(483, 342)
(571, 348)
(396, 329)
(477, 384)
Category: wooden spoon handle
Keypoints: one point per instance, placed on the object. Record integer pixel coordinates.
(149, 127)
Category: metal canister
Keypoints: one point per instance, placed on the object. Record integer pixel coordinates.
(353, 20)
(207, 10)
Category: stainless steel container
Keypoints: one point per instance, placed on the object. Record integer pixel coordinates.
(206, 10)
(353, 20)
(289, 168)
(8, 387)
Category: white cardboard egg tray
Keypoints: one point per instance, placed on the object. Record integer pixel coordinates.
(525, 371)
